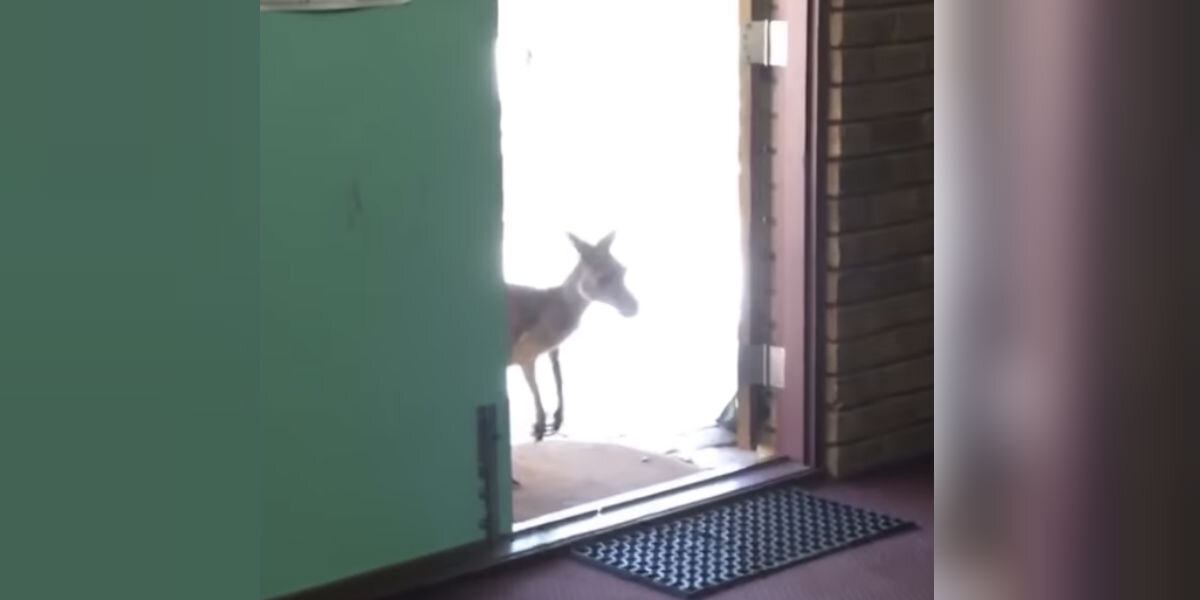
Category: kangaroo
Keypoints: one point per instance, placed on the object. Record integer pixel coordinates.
(541, 319)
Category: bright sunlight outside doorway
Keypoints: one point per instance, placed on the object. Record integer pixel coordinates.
(623, 116)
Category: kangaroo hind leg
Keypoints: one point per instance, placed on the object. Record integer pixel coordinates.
(539, 425)
(558, 411)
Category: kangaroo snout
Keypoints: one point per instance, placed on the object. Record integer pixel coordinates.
(629, 307)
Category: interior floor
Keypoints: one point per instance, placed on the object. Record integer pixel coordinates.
(899, 567)
(560, 473)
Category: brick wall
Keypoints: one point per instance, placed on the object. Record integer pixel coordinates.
(879, 294)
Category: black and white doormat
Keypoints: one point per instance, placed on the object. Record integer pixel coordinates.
(733, 542)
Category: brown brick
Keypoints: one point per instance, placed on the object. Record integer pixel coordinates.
(880, 99)
(852, 213)
(878, 173)
(879, 349)
(865, 319)
(868, 283)
(861, 65)
(863, 137)
(881, 26)
(843, 460)
(878, 417)
(856, 249)
(860, 388)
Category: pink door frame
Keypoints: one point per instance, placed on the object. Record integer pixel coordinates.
(800, 101)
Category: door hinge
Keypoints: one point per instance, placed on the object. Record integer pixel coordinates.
(765, 43)
(763, 365)
(486, 442)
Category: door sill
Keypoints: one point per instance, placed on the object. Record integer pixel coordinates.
(609, 504)
(542, 535)
(562, 528)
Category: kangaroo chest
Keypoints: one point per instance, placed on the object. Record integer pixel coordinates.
(556, 322)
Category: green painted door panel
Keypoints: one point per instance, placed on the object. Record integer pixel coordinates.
(382, 301)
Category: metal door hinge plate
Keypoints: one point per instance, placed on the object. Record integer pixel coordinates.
(763, 365)
(765, 43)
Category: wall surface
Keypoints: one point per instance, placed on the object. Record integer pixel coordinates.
(879, 379)
(382, 306)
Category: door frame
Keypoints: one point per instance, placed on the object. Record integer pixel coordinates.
(802, 413)
(784, 147)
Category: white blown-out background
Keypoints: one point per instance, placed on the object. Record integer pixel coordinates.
(623, 115)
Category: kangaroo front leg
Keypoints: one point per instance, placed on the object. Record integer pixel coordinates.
(558, 412)
(539, 426)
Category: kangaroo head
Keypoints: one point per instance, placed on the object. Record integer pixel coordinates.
(601, 277)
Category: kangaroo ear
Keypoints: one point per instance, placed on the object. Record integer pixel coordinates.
(606, 243)
(581, 246)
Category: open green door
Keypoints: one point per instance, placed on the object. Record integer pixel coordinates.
(382, 291)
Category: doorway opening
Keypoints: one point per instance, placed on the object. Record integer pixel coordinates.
(623, 116)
